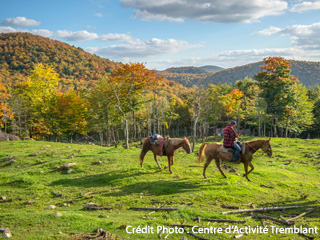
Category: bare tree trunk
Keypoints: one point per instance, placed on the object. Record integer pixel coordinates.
(125, 131)
(286, 129)
(259, 124)
(194, 131)
(275, 127)
(148, 123)
(101, 138)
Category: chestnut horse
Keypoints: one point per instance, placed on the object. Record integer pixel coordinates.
(173, 146)
(212, 151)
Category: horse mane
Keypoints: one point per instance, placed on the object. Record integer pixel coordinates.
(254, 142)
(177, 141)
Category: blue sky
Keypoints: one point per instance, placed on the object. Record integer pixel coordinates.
(173, 33)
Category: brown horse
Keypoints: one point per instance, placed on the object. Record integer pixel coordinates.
(212, 151)
(173, 146)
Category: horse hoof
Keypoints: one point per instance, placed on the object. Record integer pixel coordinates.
(166, 166)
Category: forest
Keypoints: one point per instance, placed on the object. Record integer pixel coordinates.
(126, 102)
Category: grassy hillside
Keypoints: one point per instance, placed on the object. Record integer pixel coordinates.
(30, 175)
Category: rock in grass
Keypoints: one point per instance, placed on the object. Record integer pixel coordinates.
(51, 207)
(5, 232)
(57, 214)
(68, 165)
(90, 206)
(31, 201)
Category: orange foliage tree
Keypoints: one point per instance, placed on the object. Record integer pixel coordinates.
(5, 111)
(67, 114)
(125, 86)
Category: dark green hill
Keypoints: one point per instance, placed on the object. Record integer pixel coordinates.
(308, 74)
(211, 68)
(188, 70)
(20, 51)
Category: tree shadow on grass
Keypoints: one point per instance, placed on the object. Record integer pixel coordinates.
(109, 179)
(129, 182)
(160, 187)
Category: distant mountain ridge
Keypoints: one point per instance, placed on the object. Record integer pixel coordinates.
(20, 51)
(211, 68)
(307, 72)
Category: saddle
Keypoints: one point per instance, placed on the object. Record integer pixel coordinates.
(231, 149)
(163, 142)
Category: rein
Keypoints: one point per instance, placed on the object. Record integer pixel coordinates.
(255, 149)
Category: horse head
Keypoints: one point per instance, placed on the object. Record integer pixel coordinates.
(266, 147)
(186, 145)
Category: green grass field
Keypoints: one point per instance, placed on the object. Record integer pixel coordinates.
(288, 178)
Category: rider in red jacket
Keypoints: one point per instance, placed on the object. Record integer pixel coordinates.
(229, 137)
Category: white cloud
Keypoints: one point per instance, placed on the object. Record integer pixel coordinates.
(76, 36)
(205, 10)
(141, 50)
(269, 31)
(116, 37)
(304, 36)
(42, 32)
(98, 15)
(305, 6)
(20, 21)
(8, 30)
(146, 16)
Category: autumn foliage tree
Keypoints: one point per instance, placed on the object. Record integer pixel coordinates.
(283, 95)
(5, 110)
(67, 114)
(278, 87)
(124, 88)
(33, 94)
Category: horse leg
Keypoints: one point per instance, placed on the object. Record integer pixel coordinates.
(169, 163)
(251, 166)
(218, 163)
(245, 163)
(206, 166)
(156, 159)
(142, 155)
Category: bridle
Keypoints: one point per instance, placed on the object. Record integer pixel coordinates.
(187, 145)
(256, 149)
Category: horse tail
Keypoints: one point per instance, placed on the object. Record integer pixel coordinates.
(145, 148)
(202, 148)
